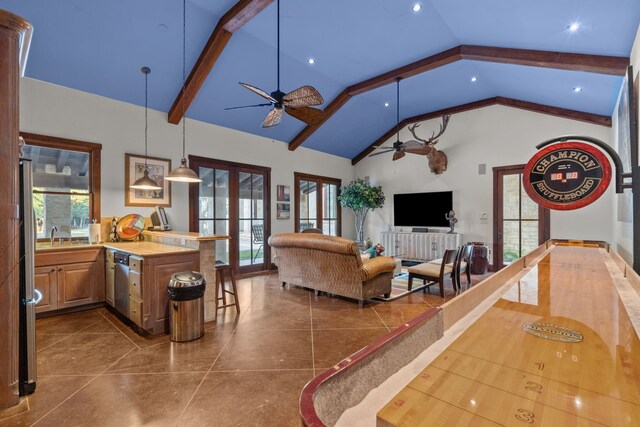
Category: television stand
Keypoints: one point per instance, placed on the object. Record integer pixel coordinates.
(419, 246)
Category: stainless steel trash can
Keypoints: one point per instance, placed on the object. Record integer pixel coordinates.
(186, 306)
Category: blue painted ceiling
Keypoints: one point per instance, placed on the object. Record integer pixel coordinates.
(99, 47)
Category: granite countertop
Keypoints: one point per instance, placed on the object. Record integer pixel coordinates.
(148, 249)
(185, 235)
(66, 246)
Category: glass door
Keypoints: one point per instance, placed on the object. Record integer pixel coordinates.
(308, 194)
(316, 203)
(233, 199)
(214, 207)
(520, 225)
(330, 219)
(251, 219)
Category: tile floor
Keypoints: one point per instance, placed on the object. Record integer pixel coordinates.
(248, 369)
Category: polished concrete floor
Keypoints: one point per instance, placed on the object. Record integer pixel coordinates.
(248, 369)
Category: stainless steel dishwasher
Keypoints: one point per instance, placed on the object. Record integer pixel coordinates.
(121, 291)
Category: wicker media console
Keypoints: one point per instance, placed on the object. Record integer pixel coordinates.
(418, 246)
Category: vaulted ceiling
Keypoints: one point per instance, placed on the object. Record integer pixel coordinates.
(99, 47)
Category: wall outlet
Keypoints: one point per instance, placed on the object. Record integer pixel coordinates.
(484, 218)
(183, 242)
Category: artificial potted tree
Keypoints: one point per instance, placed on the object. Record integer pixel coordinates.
(361, 197)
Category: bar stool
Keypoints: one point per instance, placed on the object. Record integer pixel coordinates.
(221, 290)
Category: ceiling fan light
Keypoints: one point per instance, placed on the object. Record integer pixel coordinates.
(183, 173)
(145, 183)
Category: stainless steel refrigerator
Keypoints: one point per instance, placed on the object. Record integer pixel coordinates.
(29, 296)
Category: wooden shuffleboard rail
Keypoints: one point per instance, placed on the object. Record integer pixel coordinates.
(558, 348)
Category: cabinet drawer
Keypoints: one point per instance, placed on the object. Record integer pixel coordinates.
(135, 264)
(135, 284)
(109, 255)
(135, 311)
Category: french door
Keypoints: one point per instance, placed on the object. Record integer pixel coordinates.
(520, 224)
(233, 199)
(316, 203)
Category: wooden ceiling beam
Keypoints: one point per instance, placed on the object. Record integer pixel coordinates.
(565, 113)
(609, 65)
(498, 100)
(599, 64)
(241, 13)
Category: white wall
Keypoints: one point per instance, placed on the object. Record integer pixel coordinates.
(623, 231)
(495, 136)
(58, 111)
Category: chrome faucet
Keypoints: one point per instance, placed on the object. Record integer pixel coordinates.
(53, 232)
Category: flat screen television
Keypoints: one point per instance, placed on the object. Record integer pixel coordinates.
(422, 209)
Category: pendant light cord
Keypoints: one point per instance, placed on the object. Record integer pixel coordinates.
(184, 75)
(278, 40)
(146, 122)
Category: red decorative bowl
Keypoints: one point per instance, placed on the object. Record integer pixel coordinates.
(130, 226)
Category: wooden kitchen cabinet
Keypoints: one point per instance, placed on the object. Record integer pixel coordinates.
(109, 278)
(76, 284)
(110, 283)
(69, 278)
(45, 280)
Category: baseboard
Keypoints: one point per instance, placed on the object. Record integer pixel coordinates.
(70, 310)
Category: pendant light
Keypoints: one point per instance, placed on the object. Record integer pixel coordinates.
(145, 183)
(183, 173)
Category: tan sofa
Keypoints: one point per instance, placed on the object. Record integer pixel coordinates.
(330, 264)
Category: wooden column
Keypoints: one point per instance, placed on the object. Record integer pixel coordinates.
(14, 33)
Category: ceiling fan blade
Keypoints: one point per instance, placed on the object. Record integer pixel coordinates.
(383, 147)
(398, 155)
(259, 92)
(304, 96)
(381, 152)
(273, 118)
(249, 106)
(411, 144)
(311, 116)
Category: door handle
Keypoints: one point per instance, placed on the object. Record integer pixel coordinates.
(37, 299)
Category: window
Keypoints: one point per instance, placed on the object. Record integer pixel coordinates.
(316, 203)
(66, 179)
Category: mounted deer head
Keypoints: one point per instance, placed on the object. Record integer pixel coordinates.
(437, 159)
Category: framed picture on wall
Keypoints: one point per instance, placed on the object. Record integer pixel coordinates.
(134, 169)
(283, 210)
(283, 193)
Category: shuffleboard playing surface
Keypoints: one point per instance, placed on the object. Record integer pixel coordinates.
(578, 363)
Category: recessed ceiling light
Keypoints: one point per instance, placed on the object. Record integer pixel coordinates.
(474, 79)
(386, 104)
(577, 89)
(417, 7)
(573, 27)
(312, 61)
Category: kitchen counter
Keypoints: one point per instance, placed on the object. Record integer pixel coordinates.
(148, 249)
(66, 246)
(186, 235)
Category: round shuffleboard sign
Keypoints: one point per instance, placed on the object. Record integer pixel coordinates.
(568, 175)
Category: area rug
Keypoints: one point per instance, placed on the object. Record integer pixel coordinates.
(399, 286)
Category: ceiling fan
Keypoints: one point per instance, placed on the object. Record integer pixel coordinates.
(398, 148)
(296, 103)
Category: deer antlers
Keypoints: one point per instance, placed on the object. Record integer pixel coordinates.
(434, 138)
